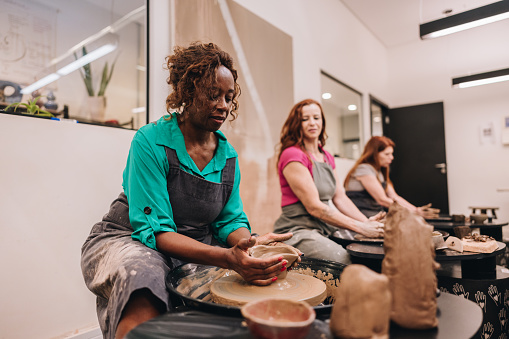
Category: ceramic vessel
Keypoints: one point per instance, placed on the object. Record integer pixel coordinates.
(478, 218)
(278, 318)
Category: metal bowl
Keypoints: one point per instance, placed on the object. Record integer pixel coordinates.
(189, 285)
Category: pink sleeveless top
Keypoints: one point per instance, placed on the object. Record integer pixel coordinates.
(291, 154)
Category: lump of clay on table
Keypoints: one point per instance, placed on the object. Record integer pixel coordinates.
(363, 304)
(410, 265)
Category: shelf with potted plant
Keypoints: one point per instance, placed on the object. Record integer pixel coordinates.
(96, 104)
(31, 107)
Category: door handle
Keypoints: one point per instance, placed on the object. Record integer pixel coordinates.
(442, 166)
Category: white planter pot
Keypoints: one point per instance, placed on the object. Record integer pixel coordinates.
(95, 108)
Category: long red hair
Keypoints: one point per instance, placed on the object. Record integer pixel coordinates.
(374, 146)
(291, 133)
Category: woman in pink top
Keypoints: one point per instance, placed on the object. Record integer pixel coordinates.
(308, 183)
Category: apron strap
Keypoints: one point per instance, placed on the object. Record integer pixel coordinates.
(228, 176)
(173, 160)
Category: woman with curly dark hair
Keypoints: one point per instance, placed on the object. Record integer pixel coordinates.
(181, 200)
(308, 179)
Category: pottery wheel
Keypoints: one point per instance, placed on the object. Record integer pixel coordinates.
(233, 290)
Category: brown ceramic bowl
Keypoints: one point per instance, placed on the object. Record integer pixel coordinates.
(478, 218)
(278, 318)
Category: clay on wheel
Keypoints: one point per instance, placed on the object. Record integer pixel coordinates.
(235, 291)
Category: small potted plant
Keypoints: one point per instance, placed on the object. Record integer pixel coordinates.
(31, 107)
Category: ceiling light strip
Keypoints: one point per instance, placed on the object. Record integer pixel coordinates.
(481, 79)
(473, 18)
(80, 62)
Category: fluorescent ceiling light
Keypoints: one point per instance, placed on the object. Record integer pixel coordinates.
(352, 107)
(481, 79)
(76, 64)
(138, 110)
(48, 79)
(326, 96)
(476, 17)
(86, 59)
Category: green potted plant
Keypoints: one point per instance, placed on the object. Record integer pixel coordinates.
(96, 103)
(31, 107)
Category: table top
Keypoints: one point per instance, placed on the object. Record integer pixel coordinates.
(344, 236)
(458, 318)
(448, 225)
(376, 251)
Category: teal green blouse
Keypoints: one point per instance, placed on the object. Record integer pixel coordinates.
(145, 183)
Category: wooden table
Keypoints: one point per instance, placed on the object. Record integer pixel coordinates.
(458, 318)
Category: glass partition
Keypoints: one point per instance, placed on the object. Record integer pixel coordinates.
(86, 59)
(341, 105)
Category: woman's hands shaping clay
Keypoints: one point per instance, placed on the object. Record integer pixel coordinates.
(380, 217)
(258, 271)
(370, 228)
(427, 212)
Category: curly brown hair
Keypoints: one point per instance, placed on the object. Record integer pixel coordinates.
(291, 133)
(193, 69)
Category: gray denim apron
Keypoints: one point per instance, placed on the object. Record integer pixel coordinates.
(114, 265)
(365, 202)
(310, 234)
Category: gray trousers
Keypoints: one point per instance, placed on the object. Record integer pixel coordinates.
(315, 245)
(310, 235)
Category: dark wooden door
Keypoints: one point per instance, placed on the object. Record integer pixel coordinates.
(419, 169)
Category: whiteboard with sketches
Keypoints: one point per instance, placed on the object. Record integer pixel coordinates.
(27, 40)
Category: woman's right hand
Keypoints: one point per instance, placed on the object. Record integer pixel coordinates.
(370, 228)
(256, 271)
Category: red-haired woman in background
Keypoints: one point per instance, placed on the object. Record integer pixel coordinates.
(308, 183)
(368, 184)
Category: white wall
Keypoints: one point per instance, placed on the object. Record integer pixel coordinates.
(56, 180)
(422, 72)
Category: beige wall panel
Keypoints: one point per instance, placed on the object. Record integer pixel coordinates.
(255, 133)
